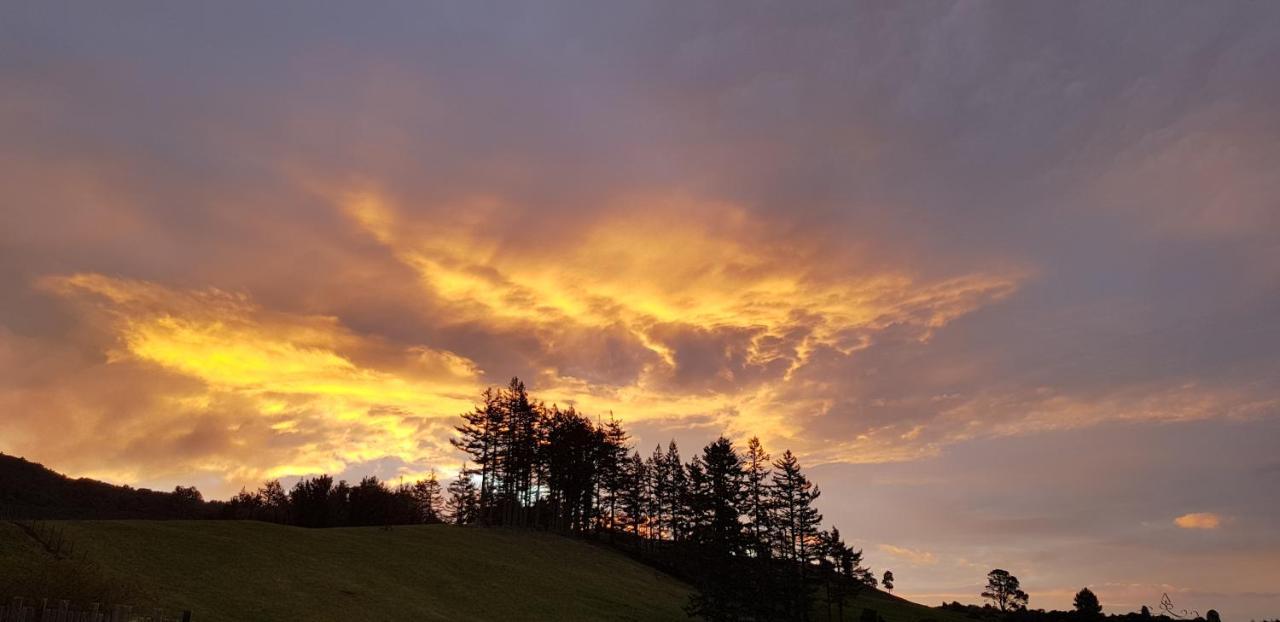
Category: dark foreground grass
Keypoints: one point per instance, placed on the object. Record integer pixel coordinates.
(232, 570)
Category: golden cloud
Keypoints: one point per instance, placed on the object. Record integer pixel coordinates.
(709, 323)
(909, 555)
(1198, 520)
(355, 398)
(726, 307)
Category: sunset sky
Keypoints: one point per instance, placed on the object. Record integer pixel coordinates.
(1005, 276)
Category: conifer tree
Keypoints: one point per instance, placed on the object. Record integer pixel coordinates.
(428, 499)
(634, 493)
(758, 509)
(796, 519)
(462, 506)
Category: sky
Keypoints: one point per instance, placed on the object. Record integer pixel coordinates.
(1005, 276)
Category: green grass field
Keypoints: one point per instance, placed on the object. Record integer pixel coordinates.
(230, 570)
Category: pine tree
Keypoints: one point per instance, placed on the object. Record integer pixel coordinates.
(1086, 603)
(427, 498)
(478, 436)
(722, 496)
(463, 503)
(796, 520)
(678, 493)
(614, 454)
(660, 494)
(634, 493)
(757, 499)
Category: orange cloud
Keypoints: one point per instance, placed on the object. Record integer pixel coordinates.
(723, 309)
(911, 556)
(346, 397)
(1198, 520)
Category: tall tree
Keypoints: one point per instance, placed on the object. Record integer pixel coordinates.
(758, 508)
(722, 494)
(678, 493)
(796, 518)
(614, 454)
(795, 522)
(478, 437)
(660, 494)
(571, 458)
(1005, 591)
(887, 581)
(635, 498)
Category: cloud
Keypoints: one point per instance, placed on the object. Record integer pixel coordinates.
(211, 382)
(1198, 520)
(912, 556)
(883, 236)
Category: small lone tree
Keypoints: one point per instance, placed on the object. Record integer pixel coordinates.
(1086, 603)
(1212, 616)
(887, 581)
(1005, 591)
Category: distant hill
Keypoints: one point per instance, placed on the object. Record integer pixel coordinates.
(248, 570)
(29, 490)
(244, 570)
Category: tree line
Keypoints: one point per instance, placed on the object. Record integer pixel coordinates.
(320, 502)
(738, 524)
(1006, 600)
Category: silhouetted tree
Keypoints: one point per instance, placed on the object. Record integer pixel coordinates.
(462, 506)
(187, 501)
(372, 503)
(1212, 616)
(478, 436)
(245, 505)
(1005, 591)
(795, 521)
(634, 493)
(309, 502)
(613, 456)
(1086, 603)
(843, 573)
(275, 503)
(571, 462)
(660, 494)
(717, 487)
(795, 518)
(758, 509)
(428, 500)
(887, 581)
(678, 493)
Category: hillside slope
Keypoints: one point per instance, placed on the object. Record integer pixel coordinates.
(31, 490)
(231, 570)
(234, 570)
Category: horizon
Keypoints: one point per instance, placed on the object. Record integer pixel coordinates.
(1005, 277)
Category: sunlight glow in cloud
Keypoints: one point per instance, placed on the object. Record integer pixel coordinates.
(912, 556)
(1198, 520)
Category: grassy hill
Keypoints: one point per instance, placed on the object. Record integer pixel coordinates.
(231, 570)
